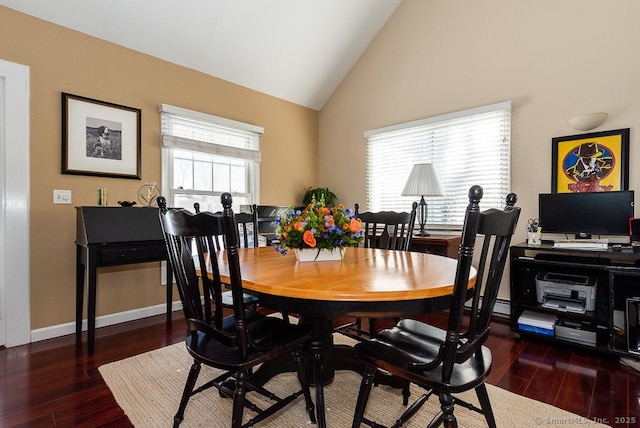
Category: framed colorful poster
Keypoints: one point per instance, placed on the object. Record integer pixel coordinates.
(594, 162)
(100, 138)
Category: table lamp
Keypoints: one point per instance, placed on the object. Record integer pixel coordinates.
(423, 181)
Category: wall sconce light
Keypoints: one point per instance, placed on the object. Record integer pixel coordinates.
(587, 122)
(423, 181)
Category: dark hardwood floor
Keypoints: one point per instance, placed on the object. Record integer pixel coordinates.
(54, 383)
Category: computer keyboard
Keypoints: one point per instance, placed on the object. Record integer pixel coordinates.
(582, 244)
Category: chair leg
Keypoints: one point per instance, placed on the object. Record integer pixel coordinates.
(304, 383)
(186, 394)
(363, 395)
(373, 331)
(483, 398)
(406, 392)
(446, 404)
(285, 317)
(413, 409)
(318, 381)
(436, 421)
(238, 399)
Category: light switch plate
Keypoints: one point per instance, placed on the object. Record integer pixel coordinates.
(61, 196)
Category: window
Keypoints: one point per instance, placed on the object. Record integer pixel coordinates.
(204, 156)
(468, 147)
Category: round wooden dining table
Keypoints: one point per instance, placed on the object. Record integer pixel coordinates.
(365, 283)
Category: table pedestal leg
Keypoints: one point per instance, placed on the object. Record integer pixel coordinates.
(322, 359)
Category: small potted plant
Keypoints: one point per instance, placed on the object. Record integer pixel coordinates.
(320, 193)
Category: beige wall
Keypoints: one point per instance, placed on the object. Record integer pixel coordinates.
(62, 60)
(553, 59)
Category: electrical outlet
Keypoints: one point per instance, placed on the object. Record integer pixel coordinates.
(61, 196)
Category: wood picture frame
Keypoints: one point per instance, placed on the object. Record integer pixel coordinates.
(100, 138)
(593, 162)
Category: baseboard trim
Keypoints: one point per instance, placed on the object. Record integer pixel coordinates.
(102, 321)
(502, 307)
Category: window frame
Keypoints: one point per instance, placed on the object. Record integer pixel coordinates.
(405, 146)
(170, 143)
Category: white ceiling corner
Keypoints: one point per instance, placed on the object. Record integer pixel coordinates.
(295, 50)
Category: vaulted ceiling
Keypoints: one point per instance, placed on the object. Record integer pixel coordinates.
(297, 50)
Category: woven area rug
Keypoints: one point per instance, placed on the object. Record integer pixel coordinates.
(148, 387)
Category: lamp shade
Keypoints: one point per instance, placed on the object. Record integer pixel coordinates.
(423, 181)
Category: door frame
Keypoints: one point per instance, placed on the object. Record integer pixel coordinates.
(14, 204)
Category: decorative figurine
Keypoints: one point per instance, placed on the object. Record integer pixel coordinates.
(148, 193)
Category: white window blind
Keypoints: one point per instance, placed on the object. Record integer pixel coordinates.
(468, 147)
(205, 156)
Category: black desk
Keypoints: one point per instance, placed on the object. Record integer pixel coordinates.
(618, 279)
(111, 236)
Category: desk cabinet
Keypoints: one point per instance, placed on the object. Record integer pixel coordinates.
(617, 295)
(624, 297)
(442, 245)
(112, 236)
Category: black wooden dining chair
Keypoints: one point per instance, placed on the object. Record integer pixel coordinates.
(268, 216)
(387, 230)
(446, 362)
(247, 227)
(236, 343)
(247, 230)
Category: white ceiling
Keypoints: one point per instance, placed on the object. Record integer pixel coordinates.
(297, 50)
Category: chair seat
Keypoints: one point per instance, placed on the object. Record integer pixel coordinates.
(268, 333)
(401, 349)
(407, 345)
(229, 323)
(249, 299)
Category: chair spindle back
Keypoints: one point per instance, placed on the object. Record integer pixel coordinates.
(496, 227)
(185, 232)
(388, 230)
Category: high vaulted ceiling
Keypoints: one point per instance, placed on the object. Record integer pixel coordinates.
(297, 50)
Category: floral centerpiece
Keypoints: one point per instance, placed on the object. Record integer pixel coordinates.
(318, 227)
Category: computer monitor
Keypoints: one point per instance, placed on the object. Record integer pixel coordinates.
(586, 214)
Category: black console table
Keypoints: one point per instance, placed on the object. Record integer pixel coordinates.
(111, 236)
(613, 326)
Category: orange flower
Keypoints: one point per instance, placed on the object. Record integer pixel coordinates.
(325, 211)
(355, 225)
(297, 226)
(341, 207)
(309, 239)
(330, 222)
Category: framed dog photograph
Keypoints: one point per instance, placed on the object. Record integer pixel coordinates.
(100, 138)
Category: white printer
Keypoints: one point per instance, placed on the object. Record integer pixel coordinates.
(566, 292)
